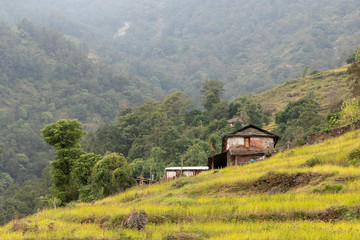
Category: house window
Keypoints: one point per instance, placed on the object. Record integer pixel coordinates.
(247, 142)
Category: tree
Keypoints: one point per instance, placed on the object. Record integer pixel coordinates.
(211, 92)
(64, 133)
(196, 155)
(64, 136)
(176, 105)
(298, 119)
(354, 78)
(110, 175)
(245, 108)
(81, 173)
(350, 111)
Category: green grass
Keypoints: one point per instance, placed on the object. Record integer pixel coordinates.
(225, 205)
(328, 87)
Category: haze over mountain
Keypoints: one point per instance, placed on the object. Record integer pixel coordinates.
(175, 45)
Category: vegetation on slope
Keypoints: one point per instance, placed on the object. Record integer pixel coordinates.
(330, 88)
(318, 199)
(175, 45)
(45, 77)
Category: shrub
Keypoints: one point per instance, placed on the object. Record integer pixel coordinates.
(311, 162)
(354, 157)
(329, 189)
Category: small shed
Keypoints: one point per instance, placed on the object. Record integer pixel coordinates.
(173, 172)
(143, 181)
(245, 145)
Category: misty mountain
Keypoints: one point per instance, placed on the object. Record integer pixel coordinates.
(175, 45)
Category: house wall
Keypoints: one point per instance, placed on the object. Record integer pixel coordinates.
(263, 142)
(188, 173)
(176, 173)
(170, 174)
(234, 141)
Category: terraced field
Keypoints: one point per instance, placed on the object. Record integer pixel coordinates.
(310, 192)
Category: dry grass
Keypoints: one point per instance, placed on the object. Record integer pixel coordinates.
(224, 205)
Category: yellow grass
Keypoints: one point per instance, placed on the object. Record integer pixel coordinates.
(220, 205)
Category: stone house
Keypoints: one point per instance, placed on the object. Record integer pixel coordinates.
(245, 145)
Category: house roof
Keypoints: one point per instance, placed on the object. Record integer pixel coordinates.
(233, 120)
(253, 131)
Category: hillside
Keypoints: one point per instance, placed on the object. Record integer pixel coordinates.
(316, 196)
(45, 77)
(329, 87)
(175, 45)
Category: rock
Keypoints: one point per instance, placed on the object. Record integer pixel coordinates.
(136, 220)
(277, 190)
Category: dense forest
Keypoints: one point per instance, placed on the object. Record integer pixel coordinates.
(175, 45)
(45, 77)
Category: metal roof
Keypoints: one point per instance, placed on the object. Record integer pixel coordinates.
(186, 168)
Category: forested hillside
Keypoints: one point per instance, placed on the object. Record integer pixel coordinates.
(45, 77)
(251, 46)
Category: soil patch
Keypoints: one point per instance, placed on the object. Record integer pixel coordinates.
(282, 182)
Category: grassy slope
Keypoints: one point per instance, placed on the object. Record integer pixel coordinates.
(329, 87)
(230, 204)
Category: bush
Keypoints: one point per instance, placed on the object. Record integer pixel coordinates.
(354, 157)
(311, 162)
(329, 189)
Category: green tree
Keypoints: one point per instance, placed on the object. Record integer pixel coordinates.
(65, 133)
(196, 154)
(176, 105)
(354, 78)
(211, 93)
(298, 119)
(350, 111)
(81, 173)
(110, 175)
(64, 136)
(157, 162)
(245, 108)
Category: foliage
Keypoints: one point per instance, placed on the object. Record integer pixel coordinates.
(63, 133)
(110, 175)
(197, 154)
(351, 58)
(324, 208)
(329, 87)
(332, 119)
(354, 78)
(298, 119)
(245, 108)
(329, 189)
(207, 41)
(79, 175)
(350, 111)
(354, 157)
(211, 93)
(64, 136)
(311, 162)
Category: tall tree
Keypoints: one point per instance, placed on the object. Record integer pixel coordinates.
(64, 136)
(211, 93)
